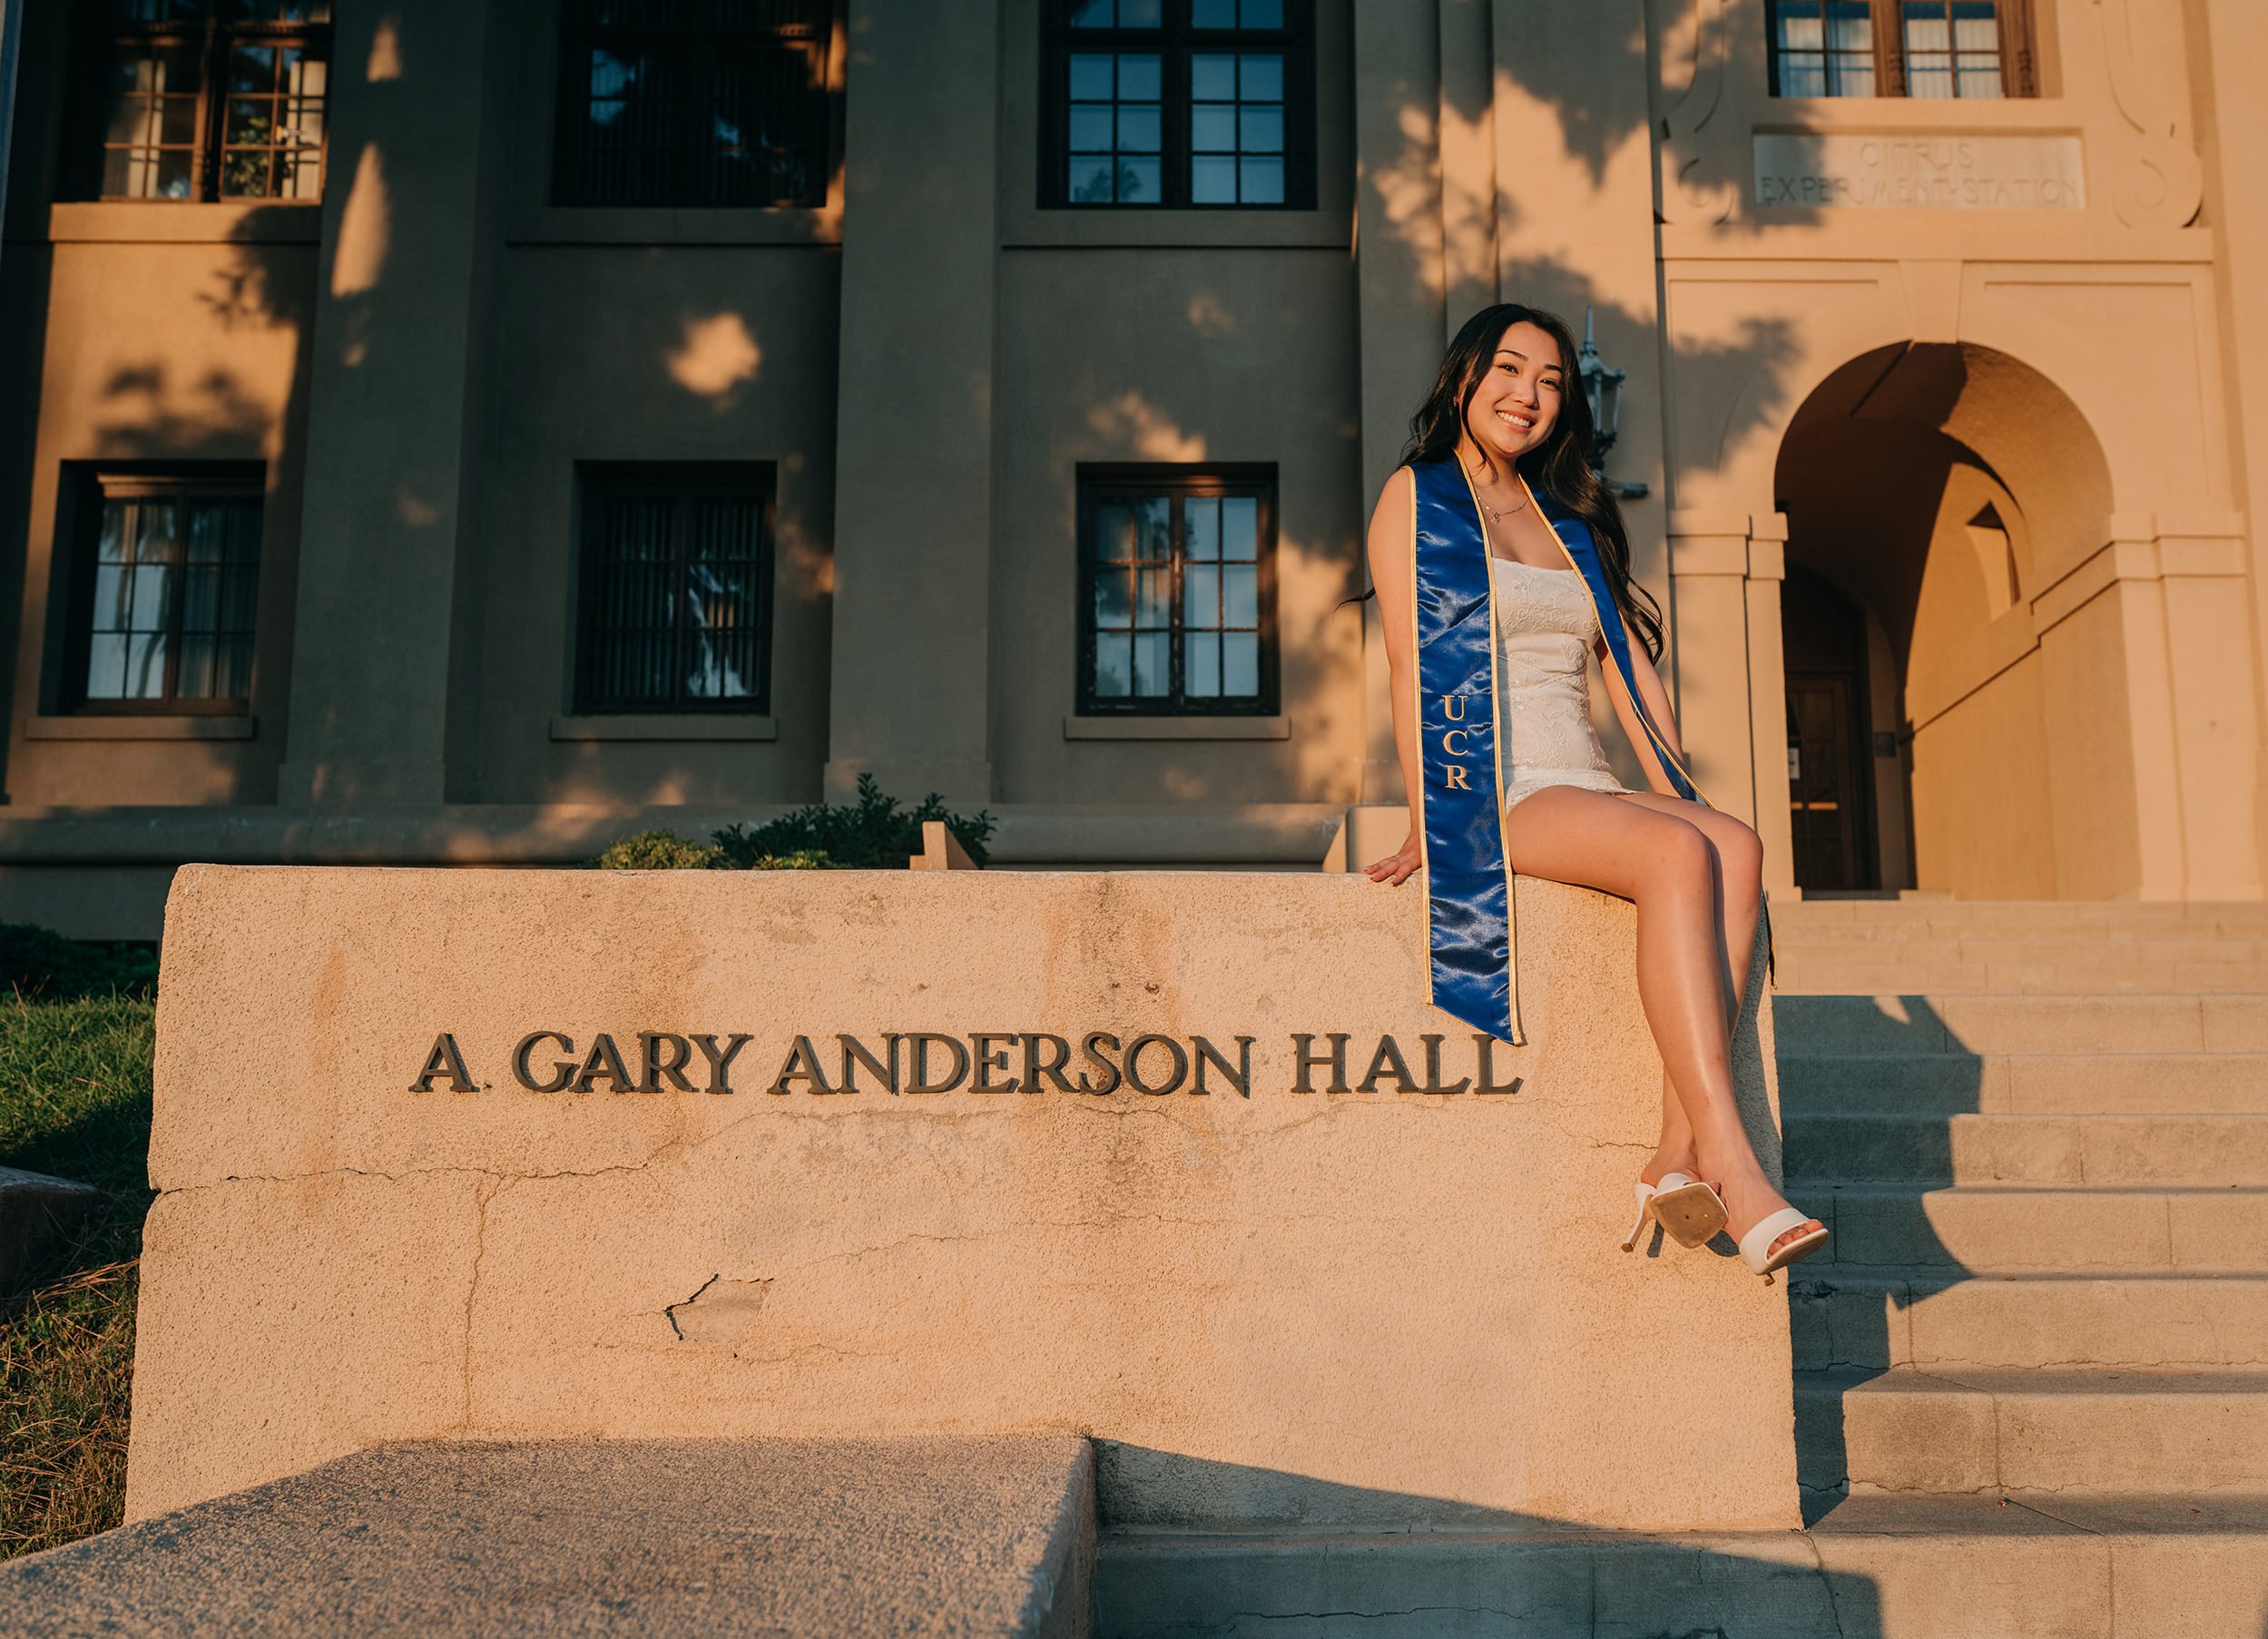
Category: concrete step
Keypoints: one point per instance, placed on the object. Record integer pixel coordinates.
(1911, 1023)
(1980, 944)
(2043, 915)
(2066, 1431)
(2022, 1084)
(1878, 1146)
(1880, 1317)
(1888, 1567)
(1816, 972)
(2015, 1228)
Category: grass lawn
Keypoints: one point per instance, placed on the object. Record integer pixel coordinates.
(75, 1101)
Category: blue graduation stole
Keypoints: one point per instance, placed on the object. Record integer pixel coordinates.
(1469, 875)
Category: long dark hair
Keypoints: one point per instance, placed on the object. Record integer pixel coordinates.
(1560, 465)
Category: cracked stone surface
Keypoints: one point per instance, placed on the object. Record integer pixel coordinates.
(1281, 1309)
(824, 1539)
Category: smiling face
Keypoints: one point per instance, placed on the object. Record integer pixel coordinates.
(1518, 400)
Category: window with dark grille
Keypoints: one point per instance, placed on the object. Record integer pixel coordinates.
(1177, 590)
(676, 590)
(1179, 103)
(209, 100)
(717, 103)
(1901, 48)
(166, 580)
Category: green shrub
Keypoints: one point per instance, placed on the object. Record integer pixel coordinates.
(659, 851)
(41, 965)
(872, 834)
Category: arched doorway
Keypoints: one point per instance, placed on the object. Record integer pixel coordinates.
(1939, 737)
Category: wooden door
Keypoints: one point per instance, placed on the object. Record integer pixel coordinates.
(1823, 784)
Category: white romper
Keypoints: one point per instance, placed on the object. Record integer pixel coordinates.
(1546, 626)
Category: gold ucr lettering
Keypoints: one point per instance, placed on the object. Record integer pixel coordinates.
(1456, 777)
(1453, 707)
(1449, 741)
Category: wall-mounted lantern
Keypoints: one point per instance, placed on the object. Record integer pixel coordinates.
(1602, 386)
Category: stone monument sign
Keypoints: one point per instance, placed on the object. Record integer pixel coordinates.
(1184, 1163)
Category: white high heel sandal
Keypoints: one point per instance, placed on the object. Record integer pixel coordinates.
(1688, 1211)
(1755, 1245)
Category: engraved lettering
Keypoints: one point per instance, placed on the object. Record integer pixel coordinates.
(1088, 1051)
(1240, 1078)
(1052, 1067)
(719, 1060)
(1179, 1059)
(854, 1052)
(990, 1058)
(563, 1070)
(655, 1066)
(803, 1065)
(955, 1055)
(1386, 1061)
(1305, 1061)
(1433, 1069)
(444, 1060)
(1488, 1084)
(604, 1059)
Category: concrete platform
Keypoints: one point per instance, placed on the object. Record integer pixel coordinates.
(823, 1539)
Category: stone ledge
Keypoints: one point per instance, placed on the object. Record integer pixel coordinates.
(36, 1212)
(825, 1539)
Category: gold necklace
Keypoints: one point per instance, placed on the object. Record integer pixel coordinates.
(1495, 517)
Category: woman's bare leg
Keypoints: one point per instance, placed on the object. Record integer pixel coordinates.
(1740, 859)
(1660, 858)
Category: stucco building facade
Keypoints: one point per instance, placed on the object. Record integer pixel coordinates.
(470, 432)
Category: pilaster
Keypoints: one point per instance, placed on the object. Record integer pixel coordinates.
(913, 503)
(393, 422)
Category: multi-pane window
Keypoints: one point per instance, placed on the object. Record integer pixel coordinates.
(1901, 48)
(676, 589)
(717, 103)
(1177, 590)
(211, 99)
(1179, 103)
(169, 579)
(1824, 48)
(1952, 48)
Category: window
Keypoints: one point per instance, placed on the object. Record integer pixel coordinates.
(168, 578)
(1901, 48)
(701, 103)
(1180, 102)
(676, 589)
(206, 100)
(1177, 590)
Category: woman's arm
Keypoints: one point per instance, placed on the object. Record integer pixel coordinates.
(1390, 548)
(1657, 701)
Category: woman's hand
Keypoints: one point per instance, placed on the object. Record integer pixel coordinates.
(1397, 867)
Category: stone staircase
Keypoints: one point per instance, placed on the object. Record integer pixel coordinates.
(2032, 1392)
(2040, 1135)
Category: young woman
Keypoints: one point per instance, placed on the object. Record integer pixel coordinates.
(1499, 559)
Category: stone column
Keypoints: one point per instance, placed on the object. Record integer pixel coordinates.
(914, 458)
(398, 355)
(2228, 39)
(1398, 278)
(1726, 570)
